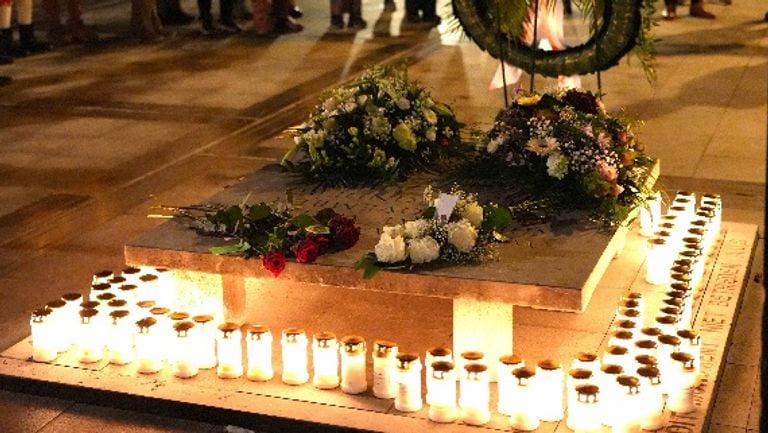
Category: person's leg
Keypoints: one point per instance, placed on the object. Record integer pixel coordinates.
(697, 10)
(27, 40)
(428, 9)
(75, 24)
(226, 9)
(6, 34)
(283, 22)
(337, 17)
(670, 12)
(356, 20)
(170, 13)
(262, 24)
(53, 21)
(412, 11)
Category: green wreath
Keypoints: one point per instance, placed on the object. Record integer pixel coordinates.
(494, 25)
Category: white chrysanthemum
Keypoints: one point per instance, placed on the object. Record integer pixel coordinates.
(557, 165)
(493, 145)
(431, 133)
(389, 249)
(423, 250)
(416, 229)
(474, 213)
(430, 116)
(394, 231)
(462, 235)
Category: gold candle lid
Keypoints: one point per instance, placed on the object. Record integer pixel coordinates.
(612, 369)
(682, 286)
(145, 323)
(130, 271)
(651, 331)
(617, 350)
(39, 315)
(116, 315)
(472, 355)
(629, 312)
(622, 335)
(104, 274)
(162, 270)
(692, 336)
(127, 287)
(439, 351)
(100, 287)
(658, 241)
(353, 344)
(670, 340)
(159, 311)
(183, 327)
(202, 318)
(116, 281)
(383, 348)
(55, 305)
(646, 344)
(178, 315)
(324, 339)
(71, 297)
(89, 304)
(117, 303)
(667, 320)
(548, 364)
(684, 358)
(148, 278)
(629, 303)
(228, 329)
(510, 359)
(630, 383)
(440, 369)
(105, 297)
(586, 356)
(684, 193)
(580, 373)
(406, 359)
(626, 324)
(678, 295)
(145, 304)
(256, 331)
(474, 369)
(523, 374)
(648, 371)
(87, 314)
(648, 360)
(671, 311)
(587, 393)
(680, 269)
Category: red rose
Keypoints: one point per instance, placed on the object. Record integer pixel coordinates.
(323, 243)
(344, 233)
(274, 262)
(307, 251)
(445, 141)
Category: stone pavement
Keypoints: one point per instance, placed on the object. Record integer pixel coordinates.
(91, 137)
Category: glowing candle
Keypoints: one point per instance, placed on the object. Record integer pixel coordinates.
(525, 404)
(442, 386)
(657, 262)
(229, 351)
(408, 378)
(690, 342)
(147, 286)
(185, 350)
(143, 308)
(668, 323)
(645, 347)
(650, 214)
(384, 364)
(609, 386)
(325, 359)
(259, 345)
(507, 364)
(630, 314)
(586, 361)
(686, 200)
(433, 355)
(102, 277)
(117, 304)
(621, 338)
(475, 394)
(683, 215)
(618, 355)
(205, 348)
(131, 275)
(584, 413)
(163, 328)
(149, 346)
(166, 286)
(652, 407)
(129, 292)
(90, 338)
(683, 382)
(470, 357)
(353, 356)
(70, 315)
(104, 298)
(550, 380)
(44, 343)
(58, 321)
(100, 289)
(628, 403)
(576, 378)
(120, 337)
(668, 344)
(115, 283)
(294, 347)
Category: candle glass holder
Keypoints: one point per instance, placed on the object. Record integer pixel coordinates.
(525, 404)
(185, 349)
(628, 404)
(408, 378)
(584, 414)
(325, 358)
(384, 364)
(658, 261)
(205, 348)
(294, 351)
(550, 381)
(442, 385)
(229, 351)
(353, 371)
(120, 337)
(259, 346)
(609, 386)
(618, 355)
(59, 323)
(652, 408)
(576, 378)
(44, 344)
(682, 383)
(650, 214)
(150, 341)
(506, 366)
(475, 395)
(90, 338)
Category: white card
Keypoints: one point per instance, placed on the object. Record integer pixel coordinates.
(445, 205)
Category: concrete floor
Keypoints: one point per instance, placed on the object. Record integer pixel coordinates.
(91, 137)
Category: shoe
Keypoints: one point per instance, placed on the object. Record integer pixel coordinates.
(288, 26)
(4, 81)
(295, 12)
(669, 13)
(80, 33)
(412, 19)
(337, 23)
(389, 5)
(697, 11)
(230, 26)
(209, 28)
(176, 18)
(29, 43)
(356, 23)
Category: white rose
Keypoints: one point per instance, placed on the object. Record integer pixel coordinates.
(415, 229)
(393, 231)
(493, 145)
(389, 249)
(423, 250)
(474, 213)
(403, 103)
(462, 235)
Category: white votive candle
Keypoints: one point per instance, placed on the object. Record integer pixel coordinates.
(550, 382)
(44, 344)
(652, 406)
(584, 412)
(618, 355)
(658, 260)
(690, 342)
(294, 348)
(435, 354)
(408, 378)
(150, 350)
(384, 363)
(163, 328)
(609, 388)
(442, 386)
(628, 405)
(205, 349)
(506, 366)
(229, 351)
(650, 214)
(586, 361)
(120, 337)
(58, 321)
(259, 345)
(325, 360)
(185, 349)
(682, 383)
(102, 277)
(525, 403)
(70, 315)
(90, 338)
(475, 397)
(353, 360)
(668, 344)
(575, 379)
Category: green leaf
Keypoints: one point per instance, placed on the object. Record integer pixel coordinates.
(429, 213)
(324, 216)
(234, 249)
(369, 266)
(303, 221)
(259, 212)
(496, 217)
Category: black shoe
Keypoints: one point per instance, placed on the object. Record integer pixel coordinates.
(209, 28)
(4, 81)
(296, 12)
(29, 43)
(230, 26)
(337, 22)
(176, 18)
(356, 23)
(413, 19)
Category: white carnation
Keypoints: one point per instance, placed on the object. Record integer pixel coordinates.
(394, 231)
(474, 213)
(423, 250)
(389, 249)
(416, 229)
(462, 235)
(557, 165)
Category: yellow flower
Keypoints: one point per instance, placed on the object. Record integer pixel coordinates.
(528, 100)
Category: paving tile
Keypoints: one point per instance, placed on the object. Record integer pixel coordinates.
(731, 168)
(24, 413)
(93, 419)
(733, 401)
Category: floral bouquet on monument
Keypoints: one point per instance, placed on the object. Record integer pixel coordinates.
(380, 127)
(570, 153)
(453, 229)
(273, 232)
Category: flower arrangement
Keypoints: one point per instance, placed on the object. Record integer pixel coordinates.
(465, 235)
(380, 127)
(567, 148)
(273, 232)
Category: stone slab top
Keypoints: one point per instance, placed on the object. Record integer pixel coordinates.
(547, 266)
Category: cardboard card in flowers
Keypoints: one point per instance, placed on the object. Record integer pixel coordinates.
(570, 153)
(379, 127)
(272, 232)
(453, 229)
